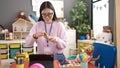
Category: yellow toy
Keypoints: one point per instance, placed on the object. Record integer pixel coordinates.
(26, 56)
(23, 55)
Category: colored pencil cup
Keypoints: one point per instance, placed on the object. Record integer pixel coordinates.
(19, 65)
(84, 65)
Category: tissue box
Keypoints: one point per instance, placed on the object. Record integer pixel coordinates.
(104, 37)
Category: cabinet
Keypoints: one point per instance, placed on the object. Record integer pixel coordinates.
(71, 42)
(9, 48)
(83, 43)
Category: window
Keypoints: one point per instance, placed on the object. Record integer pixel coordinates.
(100, 15)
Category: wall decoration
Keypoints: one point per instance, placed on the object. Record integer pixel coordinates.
(101, 5)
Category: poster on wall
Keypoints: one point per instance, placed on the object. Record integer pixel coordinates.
(58, 5)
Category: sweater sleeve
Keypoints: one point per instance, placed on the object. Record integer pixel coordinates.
(61, 44)
(29, 39)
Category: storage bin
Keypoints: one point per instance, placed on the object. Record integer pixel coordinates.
(15, 45)
(30, 53)
(4, 56)
(13, 52)
(3, 46)
(27, 49)
(3, 50)
(19, 65)
(26, 46)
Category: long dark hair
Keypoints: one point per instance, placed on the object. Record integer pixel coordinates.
(44, 5)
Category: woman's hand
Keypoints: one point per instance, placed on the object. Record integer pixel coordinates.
(50, 38)
(39, 34)
(53, 39)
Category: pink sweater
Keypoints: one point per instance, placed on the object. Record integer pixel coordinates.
(58, 31)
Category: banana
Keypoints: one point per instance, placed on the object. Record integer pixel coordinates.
(46, 35)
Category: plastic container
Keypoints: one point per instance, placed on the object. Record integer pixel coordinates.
(84, 65)
(19, 65)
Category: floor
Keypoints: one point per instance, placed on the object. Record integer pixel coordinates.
(6, 63)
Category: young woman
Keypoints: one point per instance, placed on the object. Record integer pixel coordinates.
(48, 33)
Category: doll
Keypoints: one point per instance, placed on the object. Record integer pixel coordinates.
(89, 52)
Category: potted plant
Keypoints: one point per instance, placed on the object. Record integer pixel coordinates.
(79, 18)
(83, 30)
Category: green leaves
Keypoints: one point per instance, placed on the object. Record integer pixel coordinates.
(79, 18)
(79, 12)
(83, 29)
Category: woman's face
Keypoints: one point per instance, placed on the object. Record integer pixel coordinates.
(47, 15)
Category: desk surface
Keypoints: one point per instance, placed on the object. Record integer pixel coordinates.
(56, 65)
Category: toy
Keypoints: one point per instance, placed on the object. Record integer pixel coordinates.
(21, 57)
(21, 26)
(86, 55)
(37, 65)
(46, 35)
(104, 37)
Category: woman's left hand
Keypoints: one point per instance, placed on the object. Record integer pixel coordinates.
(52, 39)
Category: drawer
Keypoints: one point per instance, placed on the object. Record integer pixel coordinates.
(4, 56)
(30, 53)
(27, 49)
(86, 44)
(4, 51)
(3, 46)
(12, 52)
(80, 44)
(15, 45)
(26, 46)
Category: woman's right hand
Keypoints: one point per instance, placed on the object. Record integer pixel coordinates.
(39, 34)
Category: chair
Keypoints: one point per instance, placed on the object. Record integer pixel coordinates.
(107, 54)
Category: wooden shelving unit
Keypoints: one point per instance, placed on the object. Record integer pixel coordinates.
(9, 48)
